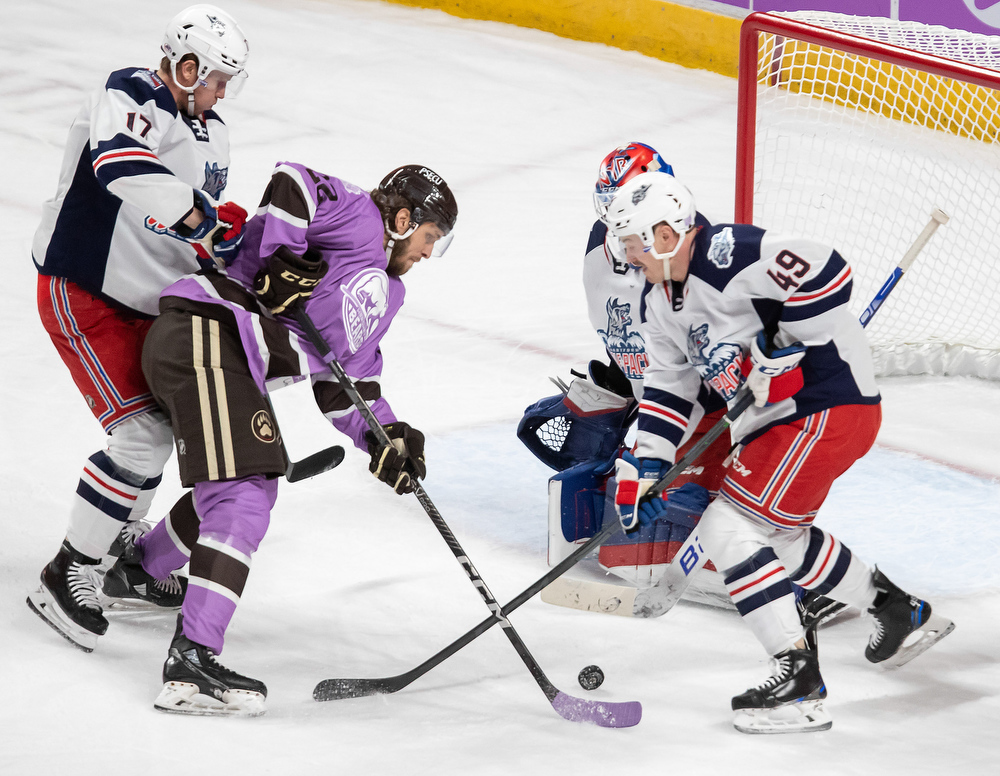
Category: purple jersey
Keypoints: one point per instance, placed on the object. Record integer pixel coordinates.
(352, 306)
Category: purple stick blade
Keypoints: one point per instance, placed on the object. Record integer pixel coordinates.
(615, 715)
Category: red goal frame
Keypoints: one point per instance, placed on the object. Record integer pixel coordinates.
(746, 124)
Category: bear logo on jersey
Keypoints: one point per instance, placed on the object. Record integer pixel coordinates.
(627, 347)
(720, 366)
(720, 252)
(366, 300)
(263, 427)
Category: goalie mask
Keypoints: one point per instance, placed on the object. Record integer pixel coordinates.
(585, 425)
(619, 167)
(425, 194)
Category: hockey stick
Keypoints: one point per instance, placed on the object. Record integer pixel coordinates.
(659, 599)
(335, 689)
(314, 464)
(570, 708)
(938, 217)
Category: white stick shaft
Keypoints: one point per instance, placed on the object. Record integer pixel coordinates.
(938, 218)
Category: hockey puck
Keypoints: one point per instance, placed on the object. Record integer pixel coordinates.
(591, 677)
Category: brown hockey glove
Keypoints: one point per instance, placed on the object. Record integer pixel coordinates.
(397, 463)
(288, 278)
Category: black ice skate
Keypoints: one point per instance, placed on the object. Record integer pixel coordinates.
(67, 598)
(195, 682)
(905, 626)
(816, 609)
(790, 701)
(127, 581)
(131, 531)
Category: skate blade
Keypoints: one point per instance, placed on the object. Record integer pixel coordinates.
(184, 698)
(112, 603)
(801, 717)
(922, 639)
(42, 603)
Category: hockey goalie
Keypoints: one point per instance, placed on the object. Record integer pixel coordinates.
(581, 431)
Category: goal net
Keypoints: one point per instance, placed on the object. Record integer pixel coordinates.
(851, 131)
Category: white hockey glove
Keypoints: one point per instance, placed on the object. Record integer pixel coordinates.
(775, 375)
(635, 477)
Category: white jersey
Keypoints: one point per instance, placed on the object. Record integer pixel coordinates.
(131, 166)
(614, 291)
(742, 280)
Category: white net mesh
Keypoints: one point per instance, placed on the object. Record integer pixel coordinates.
(856, 152)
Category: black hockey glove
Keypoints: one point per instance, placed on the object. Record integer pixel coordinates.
(608, 376)
(288, 278)
(395, 464)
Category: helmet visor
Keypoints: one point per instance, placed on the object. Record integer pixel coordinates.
(216, 78)
(441, 245)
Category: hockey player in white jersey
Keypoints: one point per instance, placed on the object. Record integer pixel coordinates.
(599, 406)
(137, 207)
(732, 299)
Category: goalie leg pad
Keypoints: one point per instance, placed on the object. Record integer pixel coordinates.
(576, 506)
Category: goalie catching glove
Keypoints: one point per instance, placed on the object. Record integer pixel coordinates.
(775, 375)
(288, 278)
(397, 464)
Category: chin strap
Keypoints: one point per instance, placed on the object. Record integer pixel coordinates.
(394, 238)
(190, 91)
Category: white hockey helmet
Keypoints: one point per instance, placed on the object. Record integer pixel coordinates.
(215, 38)
(650, 199)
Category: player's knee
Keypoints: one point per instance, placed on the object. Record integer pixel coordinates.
(236, 512)
(141, 445)
(727, 536)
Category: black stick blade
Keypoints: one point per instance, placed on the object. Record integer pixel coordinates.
(339, 689)
(314, 464)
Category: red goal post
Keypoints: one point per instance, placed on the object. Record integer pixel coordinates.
(852, 130)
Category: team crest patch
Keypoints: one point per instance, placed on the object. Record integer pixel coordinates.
(366, 300)
(639, 194)
(218, 26)
(626, 346)
(719, 366)
(263, 426)
(720, 252)
(216, 179)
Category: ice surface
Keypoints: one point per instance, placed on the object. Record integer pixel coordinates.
(353, 581)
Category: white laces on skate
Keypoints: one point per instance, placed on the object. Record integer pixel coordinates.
(84, 580)
(133, 530)
(780, 668)
(171, 585)
(876, 638)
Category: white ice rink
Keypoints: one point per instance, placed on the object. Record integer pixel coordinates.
(353, 581)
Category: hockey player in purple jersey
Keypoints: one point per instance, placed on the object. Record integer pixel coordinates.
(728, 300)
(221, 342)
(137, 207)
